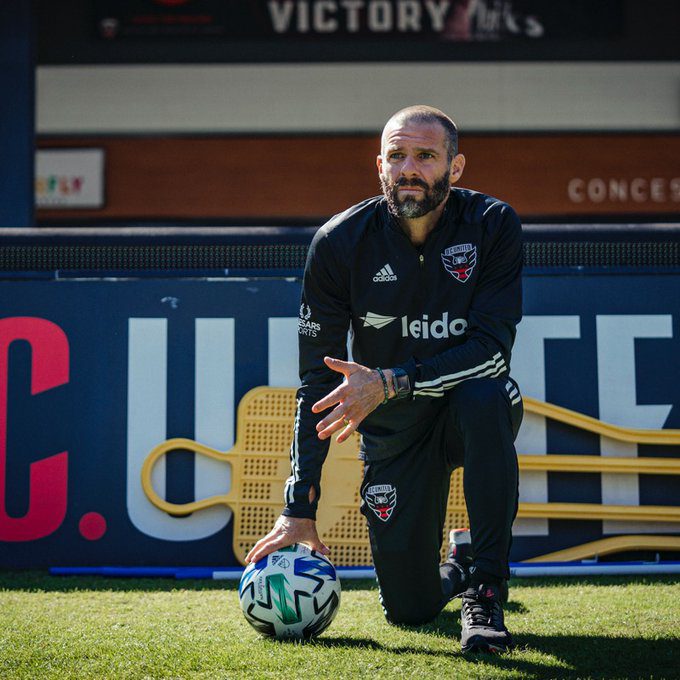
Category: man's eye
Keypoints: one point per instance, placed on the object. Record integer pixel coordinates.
(396, 156)
(426, 154)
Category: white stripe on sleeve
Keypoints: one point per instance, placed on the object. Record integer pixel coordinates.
(491, 368)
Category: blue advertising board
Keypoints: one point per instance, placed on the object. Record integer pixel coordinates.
(97, 372)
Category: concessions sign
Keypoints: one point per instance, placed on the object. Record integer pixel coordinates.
(362, 20)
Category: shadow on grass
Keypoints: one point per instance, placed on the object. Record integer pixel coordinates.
(605, 657)
(577, 656)
(515, 607)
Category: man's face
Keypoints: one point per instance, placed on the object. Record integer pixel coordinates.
(414, 168)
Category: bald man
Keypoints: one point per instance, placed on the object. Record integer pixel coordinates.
(427, 277)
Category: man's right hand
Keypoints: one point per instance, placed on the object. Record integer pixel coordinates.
(286, 531)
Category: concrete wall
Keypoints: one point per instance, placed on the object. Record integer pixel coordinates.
(356, 98)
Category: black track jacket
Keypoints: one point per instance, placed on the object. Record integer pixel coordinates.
(444, 312)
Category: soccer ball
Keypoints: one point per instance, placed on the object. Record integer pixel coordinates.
(291, 593)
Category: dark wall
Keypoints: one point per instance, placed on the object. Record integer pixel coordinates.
(16, 114)
(69, 33)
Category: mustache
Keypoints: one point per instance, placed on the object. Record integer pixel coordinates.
(414, 182)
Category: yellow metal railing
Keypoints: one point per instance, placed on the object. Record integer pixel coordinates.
(583, 422)
(608, 546)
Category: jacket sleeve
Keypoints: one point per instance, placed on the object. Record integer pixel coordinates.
(322, 331)
(495, 311)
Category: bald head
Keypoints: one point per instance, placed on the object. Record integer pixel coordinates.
(425, 115)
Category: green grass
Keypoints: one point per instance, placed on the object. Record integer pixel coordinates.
(80, 627)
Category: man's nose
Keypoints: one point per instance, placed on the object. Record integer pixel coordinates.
(409, 167)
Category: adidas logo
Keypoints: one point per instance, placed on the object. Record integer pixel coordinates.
(385, 274)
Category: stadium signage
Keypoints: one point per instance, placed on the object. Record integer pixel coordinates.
(352, 16)
(47, 489)
(69, 178)
(482, 21)
(624, 190)
(95, 373)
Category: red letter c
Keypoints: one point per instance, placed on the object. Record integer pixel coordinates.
(48, 477)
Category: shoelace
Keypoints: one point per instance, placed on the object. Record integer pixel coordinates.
(481, 611)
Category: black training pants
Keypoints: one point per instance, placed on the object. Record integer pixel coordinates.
(404, 497)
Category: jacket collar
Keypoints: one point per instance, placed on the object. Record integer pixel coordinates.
(447, 214)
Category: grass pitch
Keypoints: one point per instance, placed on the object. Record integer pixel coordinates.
(83, 627)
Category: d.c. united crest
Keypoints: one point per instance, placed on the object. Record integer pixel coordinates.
(460, 260)
(382, 499)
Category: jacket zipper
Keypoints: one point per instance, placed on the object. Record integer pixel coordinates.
(422, 287)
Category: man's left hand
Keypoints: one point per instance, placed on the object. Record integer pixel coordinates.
(360, 393)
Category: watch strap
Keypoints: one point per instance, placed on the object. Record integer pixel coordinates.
(401, 383)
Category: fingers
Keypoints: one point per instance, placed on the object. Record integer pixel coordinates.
(338, 419)
(281, 538)
(346, 433)
(321, 547)
(332, 422)
(347, 427)
(344, 367)
(335, 426)
(339, 365)
(267, 545)
(347, 368)
(329, 400)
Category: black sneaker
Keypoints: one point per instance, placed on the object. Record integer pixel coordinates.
(483, 628)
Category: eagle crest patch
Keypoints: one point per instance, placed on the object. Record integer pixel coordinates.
(382, 499)
(460, 260)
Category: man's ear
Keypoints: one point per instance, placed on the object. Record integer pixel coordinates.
(457, 167)
(379, 162)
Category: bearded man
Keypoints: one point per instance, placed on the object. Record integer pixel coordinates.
(427, 279)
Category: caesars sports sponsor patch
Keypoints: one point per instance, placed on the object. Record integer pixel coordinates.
(305, 324)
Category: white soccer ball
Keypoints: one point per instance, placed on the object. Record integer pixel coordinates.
(291, 593)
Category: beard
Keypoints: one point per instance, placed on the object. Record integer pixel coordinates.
(411, 206)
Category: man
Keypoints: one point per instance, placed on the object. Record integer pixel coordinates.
(428, 279)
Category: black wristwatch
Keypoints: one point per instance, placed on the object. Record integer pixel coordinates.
(401, 383)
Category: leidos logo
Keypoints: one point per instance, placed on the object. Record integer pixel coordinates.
(419, 328)
(438, 329)
(376, 320)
